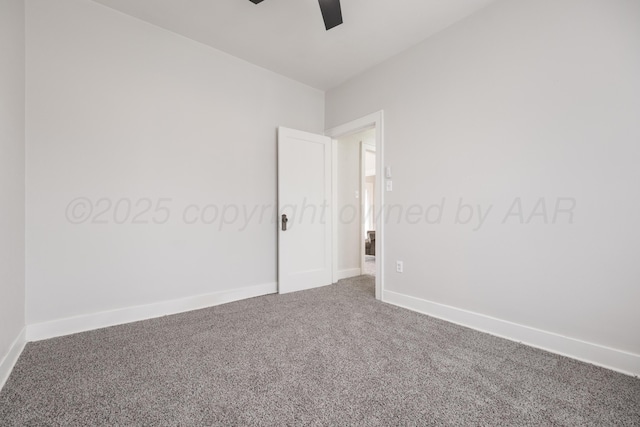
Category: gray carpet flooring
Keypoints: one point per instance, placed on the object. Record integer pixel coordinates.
(329, 356)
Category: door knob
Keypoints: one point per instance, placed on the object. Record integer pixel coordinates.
(285, 220)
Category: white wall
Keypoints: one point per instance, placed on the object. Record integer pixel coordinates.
(370, 204)
(122, 110)
(526, 99)
(12, 286)
(369, 192)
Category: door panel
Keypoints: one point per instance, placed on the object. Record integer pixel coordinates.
(304, 196)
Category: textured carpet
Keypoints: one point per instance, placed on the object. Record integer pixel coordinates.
(329, 356)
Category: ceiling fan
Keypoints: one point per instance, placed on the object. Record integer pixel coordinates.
(331, 12)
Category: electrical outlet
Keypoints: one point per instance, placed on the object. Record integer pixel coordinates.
(389, 185)
(400, 266)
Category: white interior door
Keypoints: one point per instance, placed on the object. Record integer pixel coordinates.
(304, 196)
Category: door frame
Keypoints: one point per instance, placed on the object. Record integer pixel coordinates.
(373, 120)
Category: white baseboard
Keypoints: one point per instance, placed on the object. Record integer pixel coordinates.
(617, 360)
(89, 322)
(10, 359)
(345, 274)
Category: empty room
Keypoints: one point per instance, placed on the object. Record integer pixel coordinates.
(319, 212)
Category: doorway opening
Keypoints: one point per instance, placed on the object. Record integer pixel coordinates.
(358, 199)
(369, 181)
(355, 202)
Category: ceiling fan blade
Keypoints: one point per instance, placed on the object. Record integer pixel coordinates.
(331, 13)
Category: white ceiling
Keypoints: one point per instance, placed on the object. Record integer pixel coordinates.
(288, 36)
